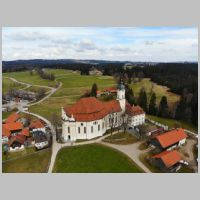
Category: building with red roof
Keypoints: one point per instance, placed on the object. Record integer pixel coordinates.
(166, 159)
(12, 118)
(37, 125)
(89, 117)
(170, 139)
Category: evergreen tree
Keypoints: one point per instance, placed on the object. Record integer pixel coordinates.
(152, 105)
(94, 89)
(142, 100)
(130, 95)
(180, 108)
(163, 107)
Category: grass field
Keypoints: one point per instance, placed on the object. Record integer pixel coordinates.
(36, 163)
(171, 122)
(121, 138)
(32, 79)
(8, 84)
(93, 158)
(158, 89)
(50, 106)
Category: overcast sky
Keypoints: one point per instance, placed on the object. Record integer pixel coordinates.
(165, 44)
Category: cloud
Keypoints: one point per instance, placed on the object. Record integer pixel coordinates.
(136, 44)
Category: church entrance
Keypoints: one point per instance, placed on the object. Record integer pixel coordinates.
(69, 137)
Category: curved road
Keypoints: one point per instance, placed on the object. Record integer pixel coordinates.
(53, 90)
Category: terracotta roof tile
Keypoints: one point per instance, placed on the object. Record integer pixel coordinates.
(91, 109)
(5, 131)
(14, 126)
(36, 124)
(12, 118)
(169, 158)
(134, 110)
(171, 137)
(18, 138)
(25, 132)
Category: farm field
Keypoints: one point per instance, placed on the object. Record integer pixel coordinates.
(97, 159)
(8, 84)
(171, 122)
(32, 79)
(158, 89)
(35, 163)
(51, 105)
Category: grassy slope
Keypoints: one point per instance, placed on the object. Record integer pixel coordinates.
(27, 78)
(8, 84)
(171, 122)
(97, 158)
(36, 163)
(158, 89)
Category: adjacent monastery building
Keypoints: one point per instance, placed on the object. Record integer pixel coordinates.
(90, 118)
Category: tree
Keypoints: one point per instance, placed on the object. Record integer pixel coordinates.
(163, 107)
(56, 121)
(125, 121)
(41, 93)
(142, 100)
(94, 89)
(111, 122)
(152, 105)
(130, 95)
(140, 75)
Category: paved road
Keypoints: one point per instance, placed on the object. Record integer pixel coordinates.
(132, 151)
(53, 90)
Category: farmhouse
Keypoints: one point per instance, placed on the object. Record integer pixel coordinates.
(170, 139)
(167, 160)
(90, 118)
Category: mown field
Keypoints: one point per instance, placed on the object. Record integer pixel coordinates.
(9, 84)
(158, 89)
(171, 122)
(32, 79)
(35, 163)
(97, 159)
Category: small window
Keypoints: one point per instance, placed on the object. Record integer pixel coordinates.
(84, 129)
(81, 124)
(68, 129)
(103, 125)
(79, 130)
(91, 129)
(98, 127)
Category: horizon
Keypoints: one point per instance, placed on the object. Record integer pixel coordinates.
(123, 44)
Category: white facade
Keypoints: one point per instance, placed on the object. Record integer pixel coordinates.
(137, 120)
(73, 130)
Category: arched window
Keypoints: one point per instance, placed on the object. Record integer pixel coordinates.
(79, 130)
(68, 129)
(99, 127)
(84, 129)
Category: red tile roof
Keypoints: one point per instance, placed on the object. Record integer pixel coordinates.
(12, 118)
(36, 124)
(169, 158)
(91, 109)
(133, 110)
(18, 138)
(25, 132)
(171, 137)
(5, 131)
(13, 126)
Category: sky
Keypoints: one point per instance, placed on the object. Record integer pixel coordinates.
(145, 44)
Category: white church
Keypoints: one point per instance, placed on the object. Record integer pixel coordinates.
(89, 118)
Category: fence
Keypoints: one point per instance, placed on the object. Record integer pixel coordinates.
(166, 128)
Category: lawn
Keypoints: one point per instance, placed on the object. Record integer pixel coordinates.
(27, 78)
(121, 138)
(35, 89)
(158, 89)
(36, 163)
(8, 84)
(171, 122)
(93, 158)
(6, 114)
(50, 106)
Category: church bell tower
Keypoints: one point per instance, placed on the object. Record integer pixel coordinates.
(121, 95)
